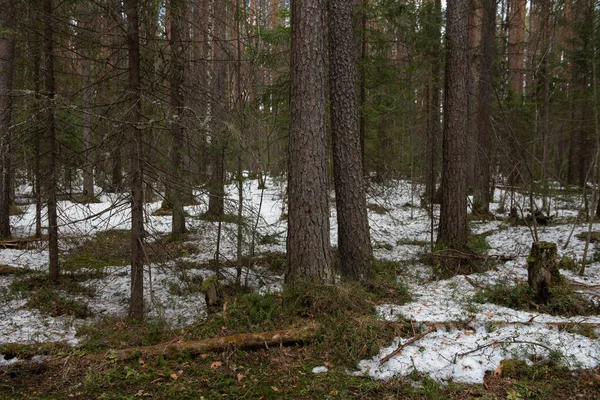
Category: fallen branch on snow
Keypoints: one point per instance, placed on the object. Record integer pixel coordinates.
(404, 345)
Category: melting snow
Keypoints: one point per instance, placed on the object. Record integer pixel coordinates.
(469, 339)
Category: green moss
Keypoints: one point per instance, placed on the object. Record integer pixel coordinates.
(563, 300)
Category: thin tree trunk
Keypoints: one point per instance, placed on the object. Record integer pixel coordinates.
(175, 179)
(433, 131)
(481, 195)
(308, 246)
(220, 108)
(51, 180)
(7, 55)
(86, 103)
(136, 303)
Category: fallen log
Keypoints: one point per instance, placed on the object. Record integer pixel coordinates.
(240, 341)
(8, 270)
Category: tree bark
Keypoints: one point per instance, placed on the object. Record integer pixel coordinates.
(86, 104)
(136, 303)
(433, 86)
(354, 242)
(453, 231)
(7, 63)
(516, 47)
(308, 246)
(51, 179)
(176, 11)
(220, 108)
(542, 270)
(481, 194)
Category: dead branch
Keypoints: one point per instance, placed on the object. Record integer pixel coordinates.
(404, 345)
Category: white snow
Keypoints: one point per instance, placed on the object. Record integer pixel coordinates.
(482, 336)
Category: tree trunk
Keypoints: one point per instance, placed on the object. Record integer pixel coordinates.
(453, 231)
(136, 303)
(51, 180)
(308, 246)
(363, 83)
(7, 57)
(516, 47)
(481, 195)
(175, 179)
(220, 108)
(354, 242)
(542, 270)
(86, 103)
(432, 126)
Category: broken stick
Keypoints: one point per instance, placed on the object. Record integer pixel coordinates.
(404, 345)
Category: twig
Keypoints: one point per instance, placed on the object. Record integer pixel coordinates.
(497, 342)
(404, 345)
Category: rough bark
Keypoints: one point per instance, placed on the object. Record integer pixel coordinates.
(516, 47)
(175, 180)
(363, 82)
(481, 194)
(542, 270)
(86, 104)
(354, 242)
(136, 303)
(433, 87)
(50, 178)
(308, 246)
(453, 214)
(219, 108)
(7, 55)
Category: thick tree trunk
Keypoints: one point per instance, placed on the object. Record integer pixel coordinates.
(354, 242)
(453, 214)
(481, 194)
(542, 270)
(175, 180)
(308, 246)
(7, 56)
(136, 303)
(51, 180)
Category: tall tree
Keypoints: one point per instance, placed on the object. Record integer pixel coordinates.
(308, 246)
(432, 31)
(354, 242)
(50, 168)
(453, 230)
(7, 62)
(86, 103)
(176, 13)
(481, 193)
(516, 46)
(136, 303)
(219, 106)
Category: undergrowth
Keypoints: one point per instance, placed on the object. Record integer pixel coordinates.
(563, 299)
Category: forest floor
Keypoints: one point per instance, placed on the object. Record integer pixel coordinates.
(475, 336)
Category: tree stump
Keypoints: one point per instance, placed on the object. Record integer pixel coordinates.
(542, 270)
